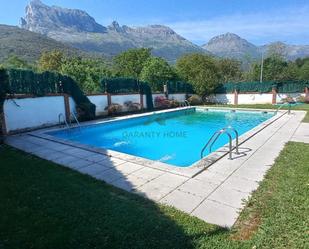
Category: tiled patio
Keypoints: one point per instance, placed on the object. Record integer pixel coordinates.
(216, 195)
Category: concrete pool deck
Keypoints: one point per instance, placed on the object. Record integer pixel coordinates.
(216, 195)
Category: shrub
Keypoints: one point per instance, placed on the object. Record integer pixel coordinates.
(195, 100)
(113, 109)
(174, 103)
(303, 99)
(161, 102)
(85, 111)
(132, 107)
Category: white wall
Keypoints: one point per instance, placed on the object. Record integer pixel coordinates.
(72, 105)
(181, 97)
(255, 98)
(281, 96)
(100, 102)
(32, 112)
(222, 98)
(121, 99)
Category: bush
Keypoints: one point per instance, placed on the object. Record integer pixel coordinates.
(132, 107)
(161, 102)
(85, 111)
(113, 109)
(195, 100)
(303, 99)
(174, 103)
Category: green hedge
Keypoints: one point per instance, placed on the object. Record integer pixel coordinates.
(127, 85)
(40, 84)
(264, 87)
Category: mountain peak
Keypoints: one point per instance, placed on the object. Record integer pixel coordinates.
(43, 19)
(231, 45)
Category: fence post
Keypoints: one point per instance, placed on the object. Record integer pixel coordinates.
(274, 97)
(67, 107)
(235, 97)
(141, 96)
(109, 99)
(306, 92)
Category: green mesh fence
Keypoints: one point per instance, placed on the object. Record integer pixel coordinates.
(127, 85)
(40, 84)
(179, 87)
(264, 87)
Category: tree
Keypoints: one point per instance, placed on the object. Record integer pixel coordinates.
(156, 72)
(304, 71)
(199, 70)
(86, 72)
(15, 62)
(131, 62)
(274, 69)
(51, 61)
(229, 69)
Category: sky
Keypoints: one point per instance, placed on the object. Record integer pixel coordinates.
(258, 21)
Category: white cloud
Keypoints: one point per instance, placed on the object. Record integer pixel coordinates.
(289, 25)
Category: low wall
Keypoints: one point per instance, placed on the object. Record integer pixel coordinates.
(100, 101)
(281, 96)
(20, 114)
(256, 98)
(222, 98)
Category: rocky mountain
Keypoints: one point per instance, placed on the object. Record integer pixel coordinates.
(78, 29)
(230, 45)
(28, 45)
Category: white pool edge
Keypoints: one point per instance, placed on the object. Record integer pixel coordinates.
(190, 171)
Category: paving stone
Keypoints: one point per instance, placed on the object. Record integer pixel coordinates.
(198, 188)
(65, 160)
(240, 184)
(123, 184)
(93, 169)
(153, 191)
(96, 157)
(112, 161)
(79, 153)
(212, 177)
(128, 168)
(129, 183)
(77, 164)
(216, 213)
(109, 175)
(229, 197)
(169, 180)
(182, 200)
(250, 174)
(148, 173)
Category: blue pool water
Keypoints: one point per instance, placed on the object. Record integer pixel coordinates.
(175, 137)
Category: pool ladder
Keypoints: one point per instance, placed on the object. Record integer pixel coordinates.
(185, 104)
(68, 125)
(282, 105)
(215, 137)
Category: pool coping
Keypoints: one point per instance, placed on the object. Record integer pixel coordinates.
(190, 171)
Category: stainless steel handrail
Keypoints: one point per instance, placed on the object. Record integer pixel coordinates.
(236, 136)
(187, 103)
(282, 105)
(75, 118)
(215, 137)
(64, 120)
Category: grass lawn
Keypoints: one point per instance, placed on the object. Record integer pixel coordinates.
(43, 205)
(303, 107)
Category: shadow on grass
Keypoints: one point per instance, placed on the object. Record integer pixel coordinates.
(43, 205)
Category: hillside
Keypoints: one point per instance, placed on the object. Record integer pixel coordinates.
(28, 45)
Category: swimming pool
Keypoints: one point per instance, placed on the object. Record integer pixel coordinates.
(175, 137)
